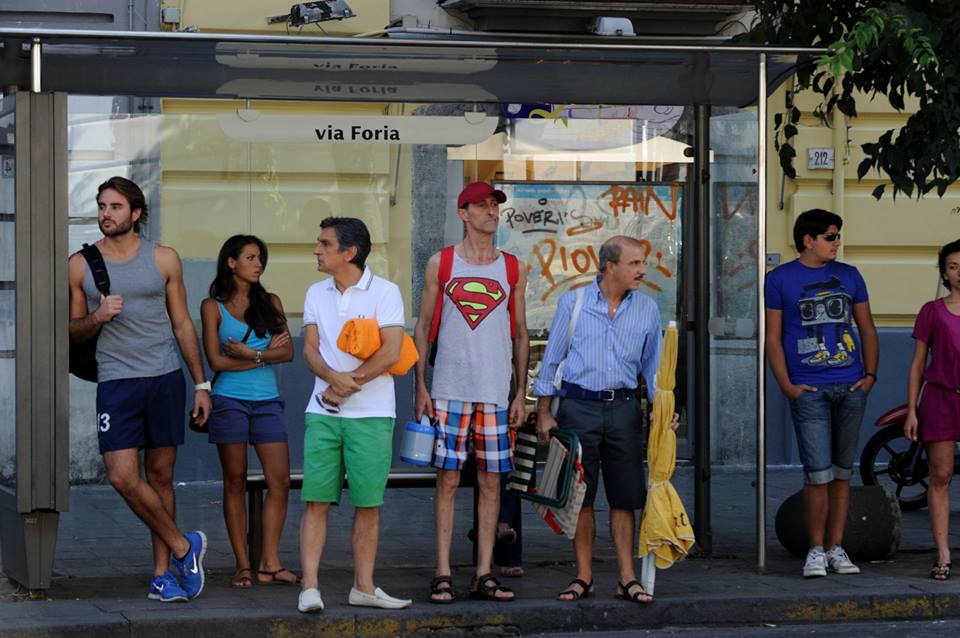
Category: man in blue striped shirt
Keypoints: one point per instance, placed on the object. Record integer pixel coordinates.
(616, 339)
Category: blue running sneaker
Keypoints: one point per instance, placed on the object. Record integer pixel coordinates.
(166, 590)
(191, 567)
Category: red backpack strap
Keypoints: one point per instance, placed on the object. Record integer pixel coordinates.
(443, 276)
(513, 276)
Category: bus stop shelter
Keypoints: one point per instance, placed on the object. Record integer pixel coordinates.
(42, 69)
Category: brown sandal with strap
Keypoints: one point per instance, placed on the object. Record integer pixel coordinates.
(623, 593)
(242, 578)
(274, 580)
(440, 586)
(586, 589)
(486, 587)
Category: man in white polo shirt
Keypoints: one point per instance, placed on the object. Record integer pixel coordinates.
(350, 416)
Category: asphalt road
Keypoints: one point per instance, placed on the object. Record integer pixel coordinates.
(906, 629)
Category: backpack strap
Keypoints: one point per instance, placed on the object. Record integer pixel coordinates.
(443, 276)
(98, 269)
(513, 276)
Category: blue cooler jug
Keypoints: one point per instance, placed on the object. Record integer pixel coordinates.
(418, 442)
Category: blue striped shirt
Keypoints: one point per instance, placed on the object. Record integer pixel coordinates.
(605, 353)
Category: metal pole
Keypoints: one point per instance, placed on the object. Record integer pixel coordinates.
(701, 357)
(35, 50)
(761, 325)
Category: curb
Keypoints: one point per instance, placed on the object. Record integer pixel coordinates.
(79, 618)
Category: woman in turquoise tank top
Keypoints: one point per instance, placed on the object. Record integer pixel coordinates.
(244, 334)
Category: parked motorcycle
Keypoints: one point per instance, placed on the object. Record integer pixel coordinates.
(900, 465)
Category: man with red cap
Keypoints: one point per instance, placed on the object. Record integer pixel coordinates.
(472, 311)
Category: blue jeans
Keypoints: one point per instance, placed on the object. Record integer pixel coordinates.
(827, 423)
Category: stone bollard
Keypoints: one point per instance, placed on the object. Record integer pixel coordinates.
(873, 528)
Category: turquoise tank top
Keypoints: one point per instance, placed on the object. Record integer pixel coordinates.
(258, 384)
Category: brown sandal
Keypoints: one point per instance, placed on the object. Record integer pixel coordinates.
(586, 589)
(242, 578)
(439, 586)
(273, 580)
(486, 587)
(623, 593)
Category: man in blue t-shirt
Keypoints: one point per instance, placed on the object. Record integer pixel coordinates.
(826, 371)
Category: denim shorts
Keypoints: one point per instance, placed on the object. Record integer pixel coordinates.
(241, 421)
(827, 423)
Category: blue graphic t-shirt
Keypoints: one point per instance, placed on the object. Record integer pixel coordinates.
(818, 338)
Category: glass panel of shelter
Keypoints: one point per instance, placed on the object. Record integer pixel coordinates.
(8, 344)
(734, 203)
(574, 175)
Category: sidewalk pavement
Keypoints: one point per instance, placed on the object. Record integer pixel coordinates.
(103, 566)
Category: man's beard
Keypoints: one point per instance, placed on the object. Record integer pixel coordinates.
(119, 228)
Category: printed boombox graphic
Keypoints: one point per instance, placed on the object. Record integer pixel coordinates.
(825, 308)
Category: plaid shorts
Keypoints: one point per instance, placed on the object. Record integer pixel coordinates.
(490, 440)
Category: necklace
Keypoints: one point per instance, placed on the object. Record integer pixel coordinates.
(236, 308)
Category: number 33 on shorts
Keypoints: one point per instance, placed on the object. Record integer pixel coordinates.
(103, 421)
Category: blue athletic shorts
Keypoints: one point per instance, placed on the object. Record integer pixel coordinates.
(142, 412)
(241, 421)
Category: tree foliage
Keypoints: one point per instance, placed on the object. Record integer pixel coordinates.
(893, 49)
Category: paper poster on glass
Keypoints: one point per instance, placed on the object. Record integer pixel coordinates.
(557, 231)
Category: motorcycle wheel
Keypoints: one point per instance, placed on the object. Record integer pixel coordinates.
(886, 460)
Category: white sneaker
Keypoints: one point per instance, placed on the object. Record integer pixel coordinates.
(310, 601)
(838, 561)
(378, 598)
(816, 563)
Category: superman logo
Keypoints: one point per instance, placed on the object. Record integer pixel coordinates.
(475, 297)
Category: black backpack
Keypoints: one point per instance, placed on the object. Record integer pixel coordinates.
(83, 355)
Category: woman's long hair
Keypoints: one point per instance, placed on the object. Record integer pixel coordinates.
(261, 315)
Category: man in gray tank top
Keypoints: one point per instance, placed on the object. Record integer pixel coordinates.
(140, 388)
(476, 344)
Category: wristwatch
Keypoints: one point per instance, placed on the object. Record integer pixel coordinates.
(258, 359)
(206, 385)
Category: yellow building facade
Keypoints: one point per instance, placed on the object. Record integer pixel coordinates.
(282, 194)
(894, 242)
(280, 191)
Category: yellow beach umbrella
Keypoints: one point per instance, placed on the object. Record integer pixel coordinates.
(665, 531)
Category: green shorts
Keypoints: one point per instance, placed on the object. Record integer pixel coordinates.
(362, 447)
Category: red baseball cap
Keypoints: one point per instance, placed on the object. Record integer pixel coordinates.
(477, 192)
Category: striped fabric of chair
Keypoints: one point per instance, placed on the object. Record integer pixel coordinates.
(524, 459)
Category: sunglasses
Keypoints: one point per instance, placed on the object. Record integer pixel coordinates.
(332, 408)
(831, 236)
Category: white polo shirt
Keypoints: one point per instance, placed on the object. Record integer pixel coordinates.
(371, 297)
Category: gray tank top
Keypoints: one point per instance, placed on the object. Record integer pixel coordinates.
(474, 348)
(139, 341)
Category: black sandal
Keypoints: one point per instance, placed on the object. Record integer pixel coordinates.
(940, 571)
(442, 585)
(586, 589)
(486, 587)
(623, 593)
(272, 577)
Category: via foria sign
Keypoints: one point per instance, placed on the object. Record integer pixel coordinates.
(249, 125)
(357, 133)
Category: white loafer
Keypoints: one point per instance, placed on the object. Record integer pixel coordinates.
(378, 598)
(310, 601)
